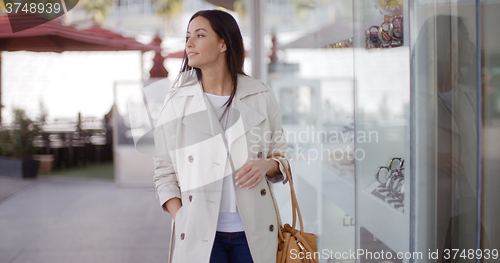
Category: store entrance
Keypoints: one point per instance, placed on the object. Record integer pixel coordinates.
(391, 113)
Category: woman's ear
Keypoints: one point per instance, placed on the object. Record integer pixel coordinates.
(222, 45)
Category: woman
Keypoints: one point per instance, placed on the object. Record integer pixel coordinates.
(217, 120)
(444, 70)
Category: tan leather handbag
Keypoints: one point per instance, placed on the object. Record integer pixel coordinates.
(294, 246)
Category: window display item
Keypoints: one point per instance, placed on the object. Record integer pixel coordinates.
(389, 34)
(389, 186)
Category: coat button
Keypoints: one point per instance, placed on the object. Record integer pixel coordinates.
(190, 198)
(190, 158)
(271, 228)
(259, 155)
(263, 192)
(182, 236)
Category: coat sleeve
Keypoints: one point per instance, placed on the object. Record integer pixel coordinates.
(277, 143)
(165, 177)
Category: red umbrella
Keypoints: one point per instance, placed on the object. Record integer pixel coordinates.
(52, 36)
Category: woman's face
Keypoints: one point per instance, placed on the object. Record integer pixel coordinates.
(466, 48)
(203, 46)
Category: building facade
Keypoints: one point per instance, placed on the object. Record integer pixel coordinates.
(391, 111)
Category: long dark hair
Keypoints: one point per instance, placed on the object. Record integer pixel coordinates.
(434, 38)
(225, 27)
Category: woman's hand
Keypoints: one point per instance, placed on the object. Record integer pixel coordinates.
(175, 213)
(253, 172)
(173, 205)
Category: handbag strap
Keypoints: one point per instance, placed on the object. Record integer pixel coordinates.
(295, 204)
(276, 209)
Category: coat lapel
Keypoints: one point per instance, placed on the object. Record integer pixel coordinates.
(198, 114)
(245, 116)
(241, 102)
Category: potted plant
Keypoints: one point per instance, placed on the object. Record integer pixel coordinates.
(16, 147)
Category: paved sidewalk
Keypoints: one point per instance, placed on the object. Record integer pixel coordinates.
(62, 220)
(10, 186)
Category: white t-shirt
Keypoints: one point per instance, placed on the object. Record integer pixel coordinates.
(229, 218)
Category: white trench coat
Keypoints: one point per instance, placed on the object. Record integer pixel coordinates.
(191, 160)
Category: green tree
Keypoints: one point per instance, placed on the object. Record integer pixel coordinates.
(18, 142)
(99, 8)
(302, 7)
(168, 9)
(241, 7)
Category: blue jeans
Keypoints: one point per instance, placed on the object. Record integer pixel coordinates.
(230, 247)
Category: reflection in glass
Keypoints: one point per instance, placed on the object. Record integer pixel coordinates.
(491, 103)
(311, 72)
(445, 89)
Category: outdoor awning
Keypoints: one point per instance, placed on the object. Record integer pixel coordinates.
(53, 36)
(228, 4)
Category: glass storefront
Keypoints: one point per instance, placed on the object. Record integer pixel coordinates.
(391, 110)
(490, 121)
(446, 126)
(314, 84)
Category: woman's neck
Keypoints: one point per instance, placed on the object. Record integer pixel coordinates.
(218, 82)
